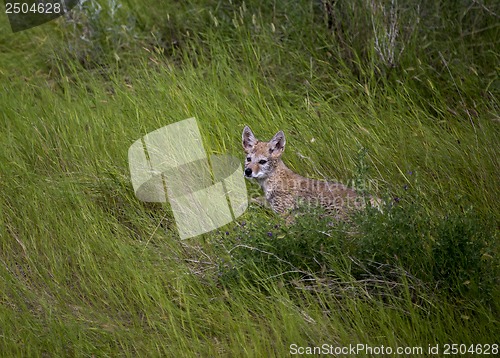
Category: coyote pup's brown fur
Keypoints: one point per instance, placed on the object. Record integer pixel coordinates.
(284, 189)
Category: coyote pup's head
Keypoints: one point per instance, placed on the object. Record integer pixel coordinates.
(262, 157)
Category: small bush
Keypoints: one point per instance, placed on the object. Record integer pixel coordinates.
(305, 248)
(455, 254)
(99, 33)
(463, 256)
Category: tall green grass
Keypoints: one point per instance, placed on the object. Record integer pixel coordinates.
(87, 269)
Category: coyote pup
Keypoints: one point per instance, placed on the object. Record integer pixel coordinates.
(284, 189)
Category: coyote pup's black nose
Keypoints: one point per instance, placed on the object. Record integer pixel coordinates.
(248, 172)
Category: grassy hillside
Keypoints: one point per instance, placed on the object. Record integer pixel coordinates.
(402, 101)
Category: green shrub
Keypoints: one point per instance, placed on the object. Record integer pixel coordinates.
(287, 252)
(455, 254)
(465, 256)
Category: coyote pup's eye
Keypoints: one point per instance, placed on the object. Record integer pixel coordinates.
(262, 161)
(249, 159)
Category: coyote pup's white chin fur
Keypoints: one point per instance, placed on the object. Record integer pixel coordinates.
(284, 189)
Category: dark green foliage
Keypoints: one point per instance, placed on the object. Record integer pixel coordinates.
(302, 249)
(454, 254)
(464, 256)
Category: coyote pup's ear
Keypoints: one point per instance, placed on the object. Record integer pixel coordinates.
(248, 139)
(277, 144)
